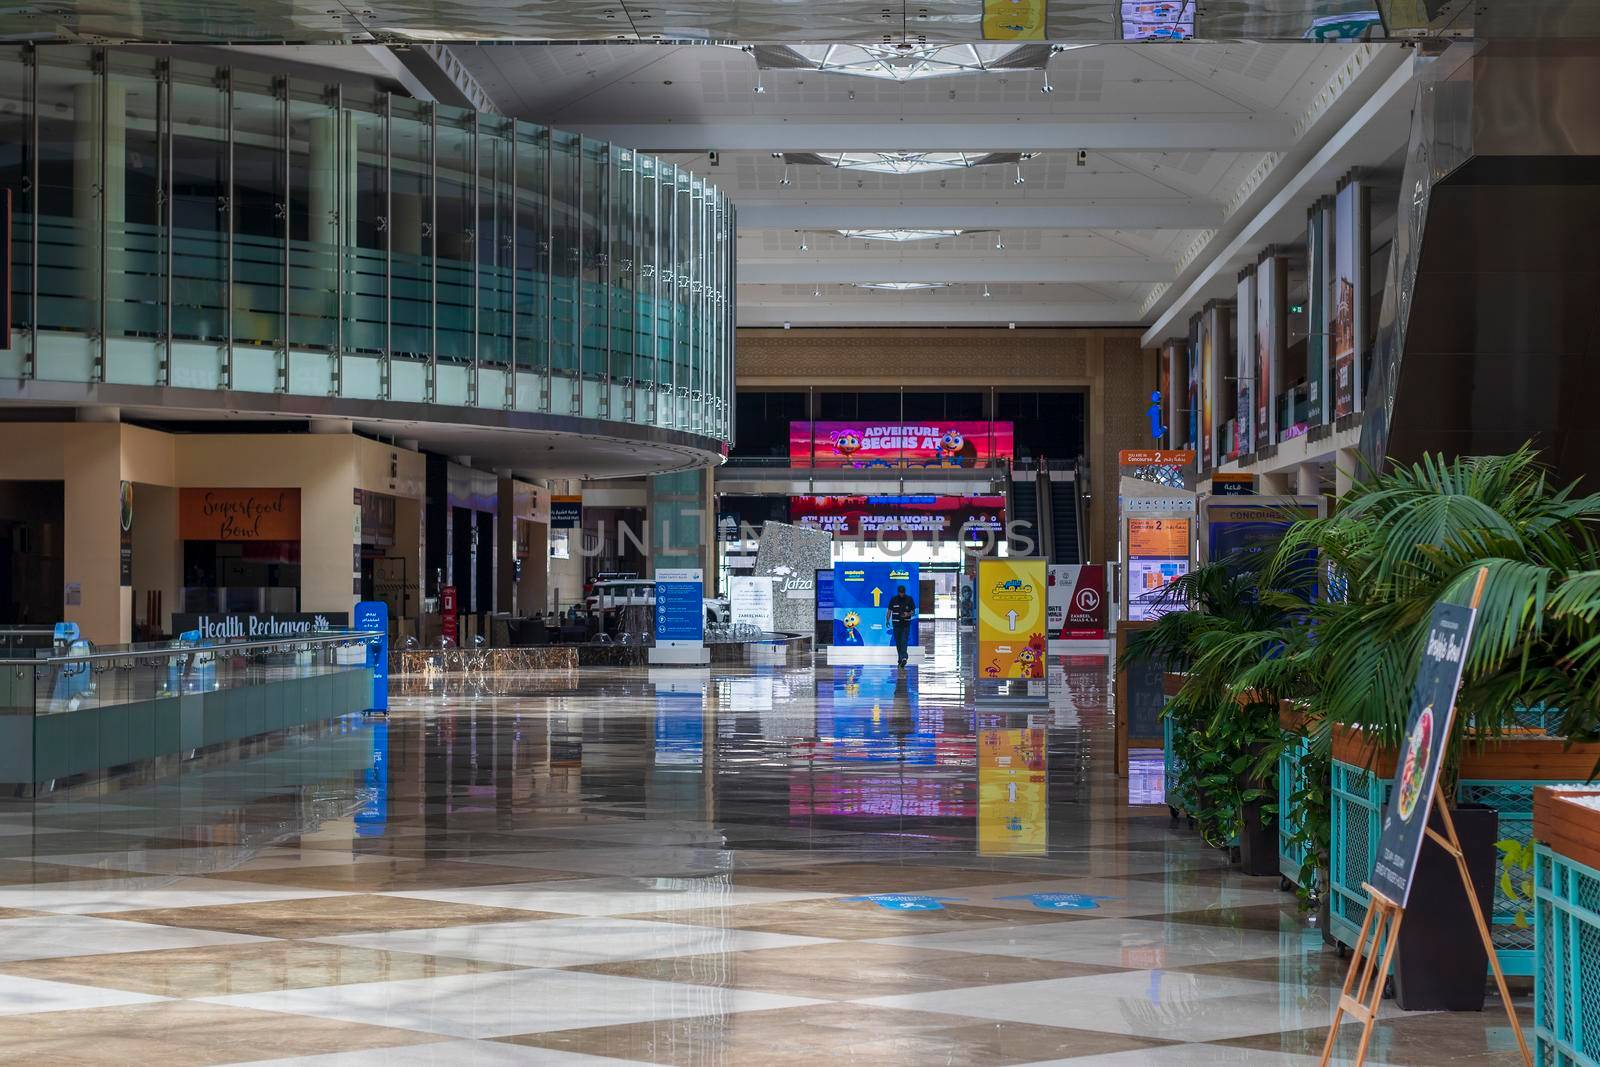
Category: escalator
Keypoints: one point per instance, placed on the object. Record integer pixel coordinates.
(1485, 334)
(1047, 501)
(1022, 514)
(1064, 521)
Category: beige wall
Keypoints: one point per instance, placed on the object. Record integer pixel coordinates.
(1107, 363)
(92, 459)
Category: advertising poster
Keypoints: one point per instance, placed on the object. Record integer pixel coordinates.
(1013, 20)
(1208, 386)
(1158, 553)
(1157, 20)
(1076, 603)
(861, 595)
(1012, 618)
(751, 602)
(1345, 301)
(1193, 420)
(1317, 271)
(1269, 336)
(448, 618)
(938, 518)
(1252, 528)
(863, 444)
(680, 605)
(1012, 792)
(125, 508)
(1433, 708)
(1245, 360)
(1174, 392)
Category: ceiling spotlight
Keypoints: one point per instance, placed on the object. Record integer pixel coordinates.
(1047, 87)
(785, 179)
(999, 246)
(986, 293)
(1019, 178)
(1083, 158)
(760, 88)
(816, 292)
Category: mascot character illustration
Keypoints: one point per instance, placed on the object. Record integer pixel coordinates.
(850, 623)
(1030, 659)
(846, 443)
(954, 450)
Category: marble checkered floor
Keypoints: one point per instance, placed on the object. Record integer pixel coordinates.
(625, 867)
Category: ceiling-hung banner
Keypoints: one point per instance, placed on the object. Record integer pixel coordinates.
(1348, 301)
(1270, 338)
(1318, 269)
(1013, 20)
(1194, 412)
(1245, 360)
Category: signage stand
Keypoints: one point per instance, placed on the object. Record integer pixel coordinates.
(1362, 994)
(680, 617)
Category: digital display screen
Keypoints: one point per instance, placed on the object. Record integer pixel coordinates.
(940, 518)
(862, 444)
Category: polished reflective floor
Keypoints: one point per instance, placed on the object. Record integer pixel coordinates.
(733, 866)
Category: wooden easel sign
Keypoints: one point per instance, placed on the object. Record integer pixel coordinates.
(1405, 826)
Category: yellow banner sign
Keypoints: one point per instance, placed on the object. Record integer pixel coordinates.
(1011, 618)
(1013, 20)
(1013, 792)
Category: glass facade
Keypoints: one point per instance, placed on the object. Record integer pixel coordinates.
(181, 224)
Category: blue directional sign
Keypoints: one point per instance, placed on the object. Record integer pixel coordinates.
(680, 605)
(1060, 901)
(373, 616)
(904, 901)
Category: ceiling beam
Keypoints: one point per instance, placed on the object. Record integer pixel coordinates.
(927, 310)
(953, 268)
(963, 215)
(1245, 133)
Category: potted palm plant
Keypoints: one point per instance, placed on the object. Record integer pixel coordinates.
(1400, 543)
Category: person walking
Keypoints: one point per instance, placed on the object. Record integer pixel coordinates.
(902, 610)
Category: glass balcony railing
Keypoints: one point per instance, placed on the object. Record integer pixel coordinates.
(181, 224)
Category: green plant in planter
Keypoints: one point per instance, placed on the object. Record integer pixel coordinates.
(1416, 536)
(1227, 736)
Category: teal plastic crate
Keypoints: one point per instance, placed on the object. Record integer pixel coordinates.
(1291, 779)
(1566, 984)
(1357, 812)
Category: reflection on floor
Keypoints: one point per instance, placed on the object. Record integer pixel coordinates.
(741, 866)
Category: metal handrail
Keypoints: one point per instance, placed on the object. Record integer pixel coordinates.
(307, 640)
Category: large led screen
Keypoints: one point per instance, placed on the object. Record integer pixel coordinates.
(864, 444)
(938, 518)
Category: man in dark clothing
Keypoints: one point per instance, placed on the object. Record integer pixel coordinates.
(902, 609)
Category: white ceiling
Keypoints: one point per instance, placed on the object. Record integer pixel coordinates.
(1177, 138)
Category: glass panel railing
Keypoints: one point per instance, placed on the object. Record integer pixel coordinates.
(267, 223)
